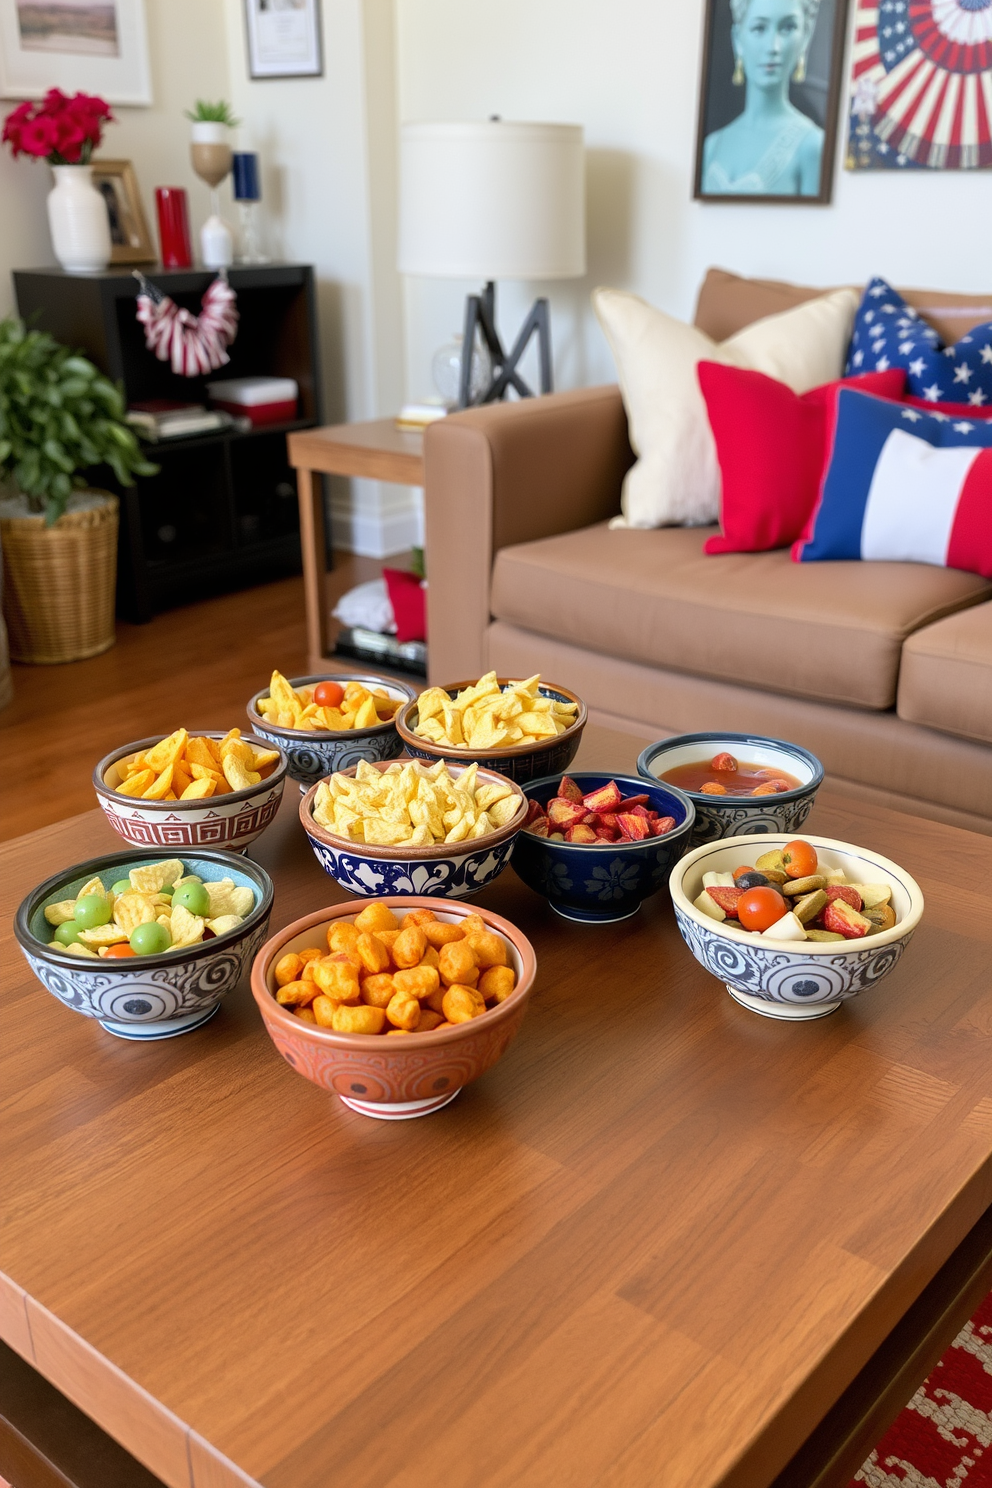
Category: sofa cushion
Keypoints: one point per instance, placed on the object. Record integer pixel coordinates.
(945, 679)
(832, 631)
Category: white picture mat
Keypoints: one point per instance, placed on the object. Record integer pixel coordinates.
(124, 79)
(283, 39)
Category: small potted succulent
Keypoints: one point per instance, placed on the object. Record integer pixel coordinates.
(211, 155)
(58, 416)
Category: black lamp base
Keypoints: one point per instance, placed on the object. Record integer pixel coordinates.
(480, 314)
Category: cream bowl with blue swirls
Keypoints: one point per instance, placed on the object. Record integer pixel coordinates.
(795, 980)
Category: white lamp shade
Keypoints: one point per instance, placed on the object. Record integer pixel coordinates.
(492, 200)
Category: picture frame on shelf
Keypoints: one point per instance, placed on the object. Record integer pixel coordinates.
(789, 57)
(88, 46)
(283, 38)
(131, 242)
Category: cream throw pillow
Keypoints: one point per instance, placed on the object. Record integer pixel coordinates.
(676, 480)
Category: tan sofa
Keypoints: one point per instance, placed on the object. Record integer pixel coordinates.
(884, 670)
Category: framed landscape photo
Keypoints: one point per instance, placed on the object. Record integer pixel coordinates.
(283, 38)
(130, 240)
(80, 46)
(769, 100)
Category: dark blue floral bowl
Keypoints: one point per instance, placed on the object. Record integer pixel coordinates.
(598, 884)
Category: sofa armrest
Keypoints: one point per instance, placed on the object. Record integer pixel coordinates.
(510, 473)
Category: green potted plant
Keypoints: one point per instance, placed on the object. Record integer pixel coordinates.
(58, 416)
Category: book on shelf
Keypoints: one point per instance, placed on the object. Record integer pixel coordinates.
(161, 418)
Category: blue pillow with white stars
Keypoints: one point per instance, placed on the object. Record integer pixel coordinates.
(890, 333)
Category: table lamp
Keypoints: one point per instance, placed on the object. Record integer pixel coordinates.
(494, 200)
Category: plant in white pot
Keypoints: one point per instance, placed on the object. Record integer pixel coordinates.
(211, 154)
(65, 132)
(58, 416)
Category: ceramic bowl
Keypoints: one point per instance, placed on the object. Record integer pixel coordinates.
(520, 762)
(597, 885)
(735, 816)
(794, 980)
(449, 870)
(231, 821)
(147, 997)
(312, 755)
(392, 1078)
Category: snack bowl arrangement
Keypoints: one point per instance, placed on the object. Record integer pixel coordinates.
(519, 762)
(393, 1079)
(147, 996)
(314, 753)
(600, 883)
(736, 815)
(449, 870)
(231, 820)
(789, 979)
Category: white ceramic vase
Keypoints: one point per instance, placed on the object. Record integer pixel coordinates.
(78, 220)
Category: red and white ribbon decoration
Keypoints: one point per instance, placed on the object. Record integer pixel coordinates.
(194, 344)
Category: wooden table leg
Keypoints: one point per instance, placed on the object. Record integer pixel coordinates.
(313, 546)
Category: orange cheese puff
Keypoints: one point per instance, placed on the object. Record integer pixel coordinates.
(443, 1027)
(323, 1011)
(474, 924)
(418, 981)
(337, 980)
(409, 946)
(287, 969)
(404, 1011)
(373, 955)
(439, 934)
(342, 936)
(358, 1019)
(496, 983)
(296, 994)
(457, 963)
(462, 1004)
(378, 991)
(305, 1014)
(435, 1000)
(428, 1021)
(309, 953)
(419, 917)
(431, 958)
(397, 1033)
(306, 974)
(489, 949)
(377, 916)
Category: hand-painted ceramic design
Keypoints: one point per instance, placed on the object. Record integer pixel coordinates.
(147, 997)
(392, 1079)
(449, 870)
(798, 980)
(736, 816)
(605, 883)
(311, 756)
(521, 762)
(230, 821)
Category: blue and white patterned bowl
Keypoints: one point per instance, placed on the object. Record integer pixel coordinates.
(597, 884)
(520, 762)
(733, 816)
(448, 871)
(314, 754)
(146, 997)
(799, 979)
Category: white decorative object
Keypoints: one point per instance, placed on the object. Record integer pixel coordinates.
(216, 244)
(88, 48)
(77, 218)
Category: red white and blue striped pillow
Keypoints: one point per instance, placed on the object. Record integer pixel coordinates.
(904, 485)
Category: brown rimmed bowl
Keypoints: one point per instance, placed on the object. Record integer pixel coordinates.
(450, 870)
(314, 753)
(519, 762)
(393, 1079)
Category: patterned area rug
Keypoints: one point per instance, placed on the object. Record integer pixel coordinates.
(942, 1438)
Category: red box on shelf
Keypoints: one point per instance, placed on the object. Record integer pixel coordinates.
(263, 400)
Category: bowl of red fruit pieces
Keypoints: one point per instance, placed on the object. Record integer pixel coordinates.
(738, 783)
(596, 846)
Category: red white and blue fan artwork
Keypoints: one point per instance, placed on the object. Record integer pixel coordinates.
(921, 85)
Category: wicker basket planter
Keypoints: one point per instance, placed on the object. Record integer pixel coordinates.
(59, 582)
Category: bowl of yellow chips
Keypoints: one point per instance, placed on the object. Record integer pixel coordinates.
(525, 730)
(207, 789)
(321, 737)
(411, 828)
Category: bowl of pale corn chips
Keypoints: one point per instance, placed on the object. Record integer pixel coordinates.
(192, 789)
(407, 827)
(525, 730)
(319, 739)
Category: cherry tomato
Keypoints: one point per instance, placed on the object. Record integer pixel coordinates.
(799, 858)
(120, 951)
(758, 908)
(328, 695)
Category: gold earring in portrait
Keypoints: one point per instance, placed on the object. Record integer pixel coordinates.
(738, 78)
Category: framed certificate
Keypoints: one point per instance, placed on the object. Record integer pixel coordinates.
(283, 38)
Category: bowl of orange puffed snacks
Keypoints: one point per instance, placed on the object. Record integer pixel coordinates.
(525, 729)
(204, 789)
(328, 723)
(410, 828)
(394, 1004)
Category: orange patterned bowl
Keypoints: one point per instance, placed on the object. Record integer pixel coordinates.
(393, 1079)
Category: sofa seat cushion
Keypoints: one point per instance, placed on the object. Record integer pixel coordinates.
(832, 631)
(945, 680)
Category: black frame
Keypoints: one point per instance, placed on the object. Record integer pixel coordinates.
(265, 77)
(834, 87)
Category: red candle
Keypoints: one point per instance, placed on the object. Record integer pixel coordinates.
(173, 227)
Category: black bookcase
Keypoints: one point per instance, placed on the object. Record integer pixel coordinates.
(222, 512)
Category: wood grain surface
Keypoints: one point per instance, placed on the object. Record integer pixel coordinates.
(376, 450)
(649, 1249)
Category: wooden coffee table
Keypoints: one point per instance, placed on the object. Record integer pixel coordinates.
(664, 1243)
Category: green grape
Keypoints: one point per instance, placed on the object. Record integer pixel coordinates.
(168, 890)
(67, 933)
(192, 896)
(122, 886)
(92, 910)
(149, 939)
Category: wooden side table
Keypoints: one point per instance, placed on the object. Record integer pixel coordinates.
(376, 450)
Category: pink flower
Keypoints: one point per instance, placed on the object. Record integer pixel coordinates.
(64, 129)
(38, 137)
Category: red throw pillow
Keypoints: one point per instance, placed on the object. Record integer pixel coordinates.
(772, 448)
(409, 602)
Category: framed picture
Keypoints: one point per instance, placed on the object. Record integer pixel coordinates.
(88, 46)
(769, 100)
(283, 38)
(130, 240)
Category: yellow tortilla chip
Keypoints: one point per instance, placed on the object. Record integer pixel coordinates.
(102, 935)
(237, 776)
(76, 949)
(154, 876)
(223, 923)
(160, 787)
(61, 913)
(136, 785)
(185, 928)
(167, 752)
(199, 790)
(133, 909)
(95, 886)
